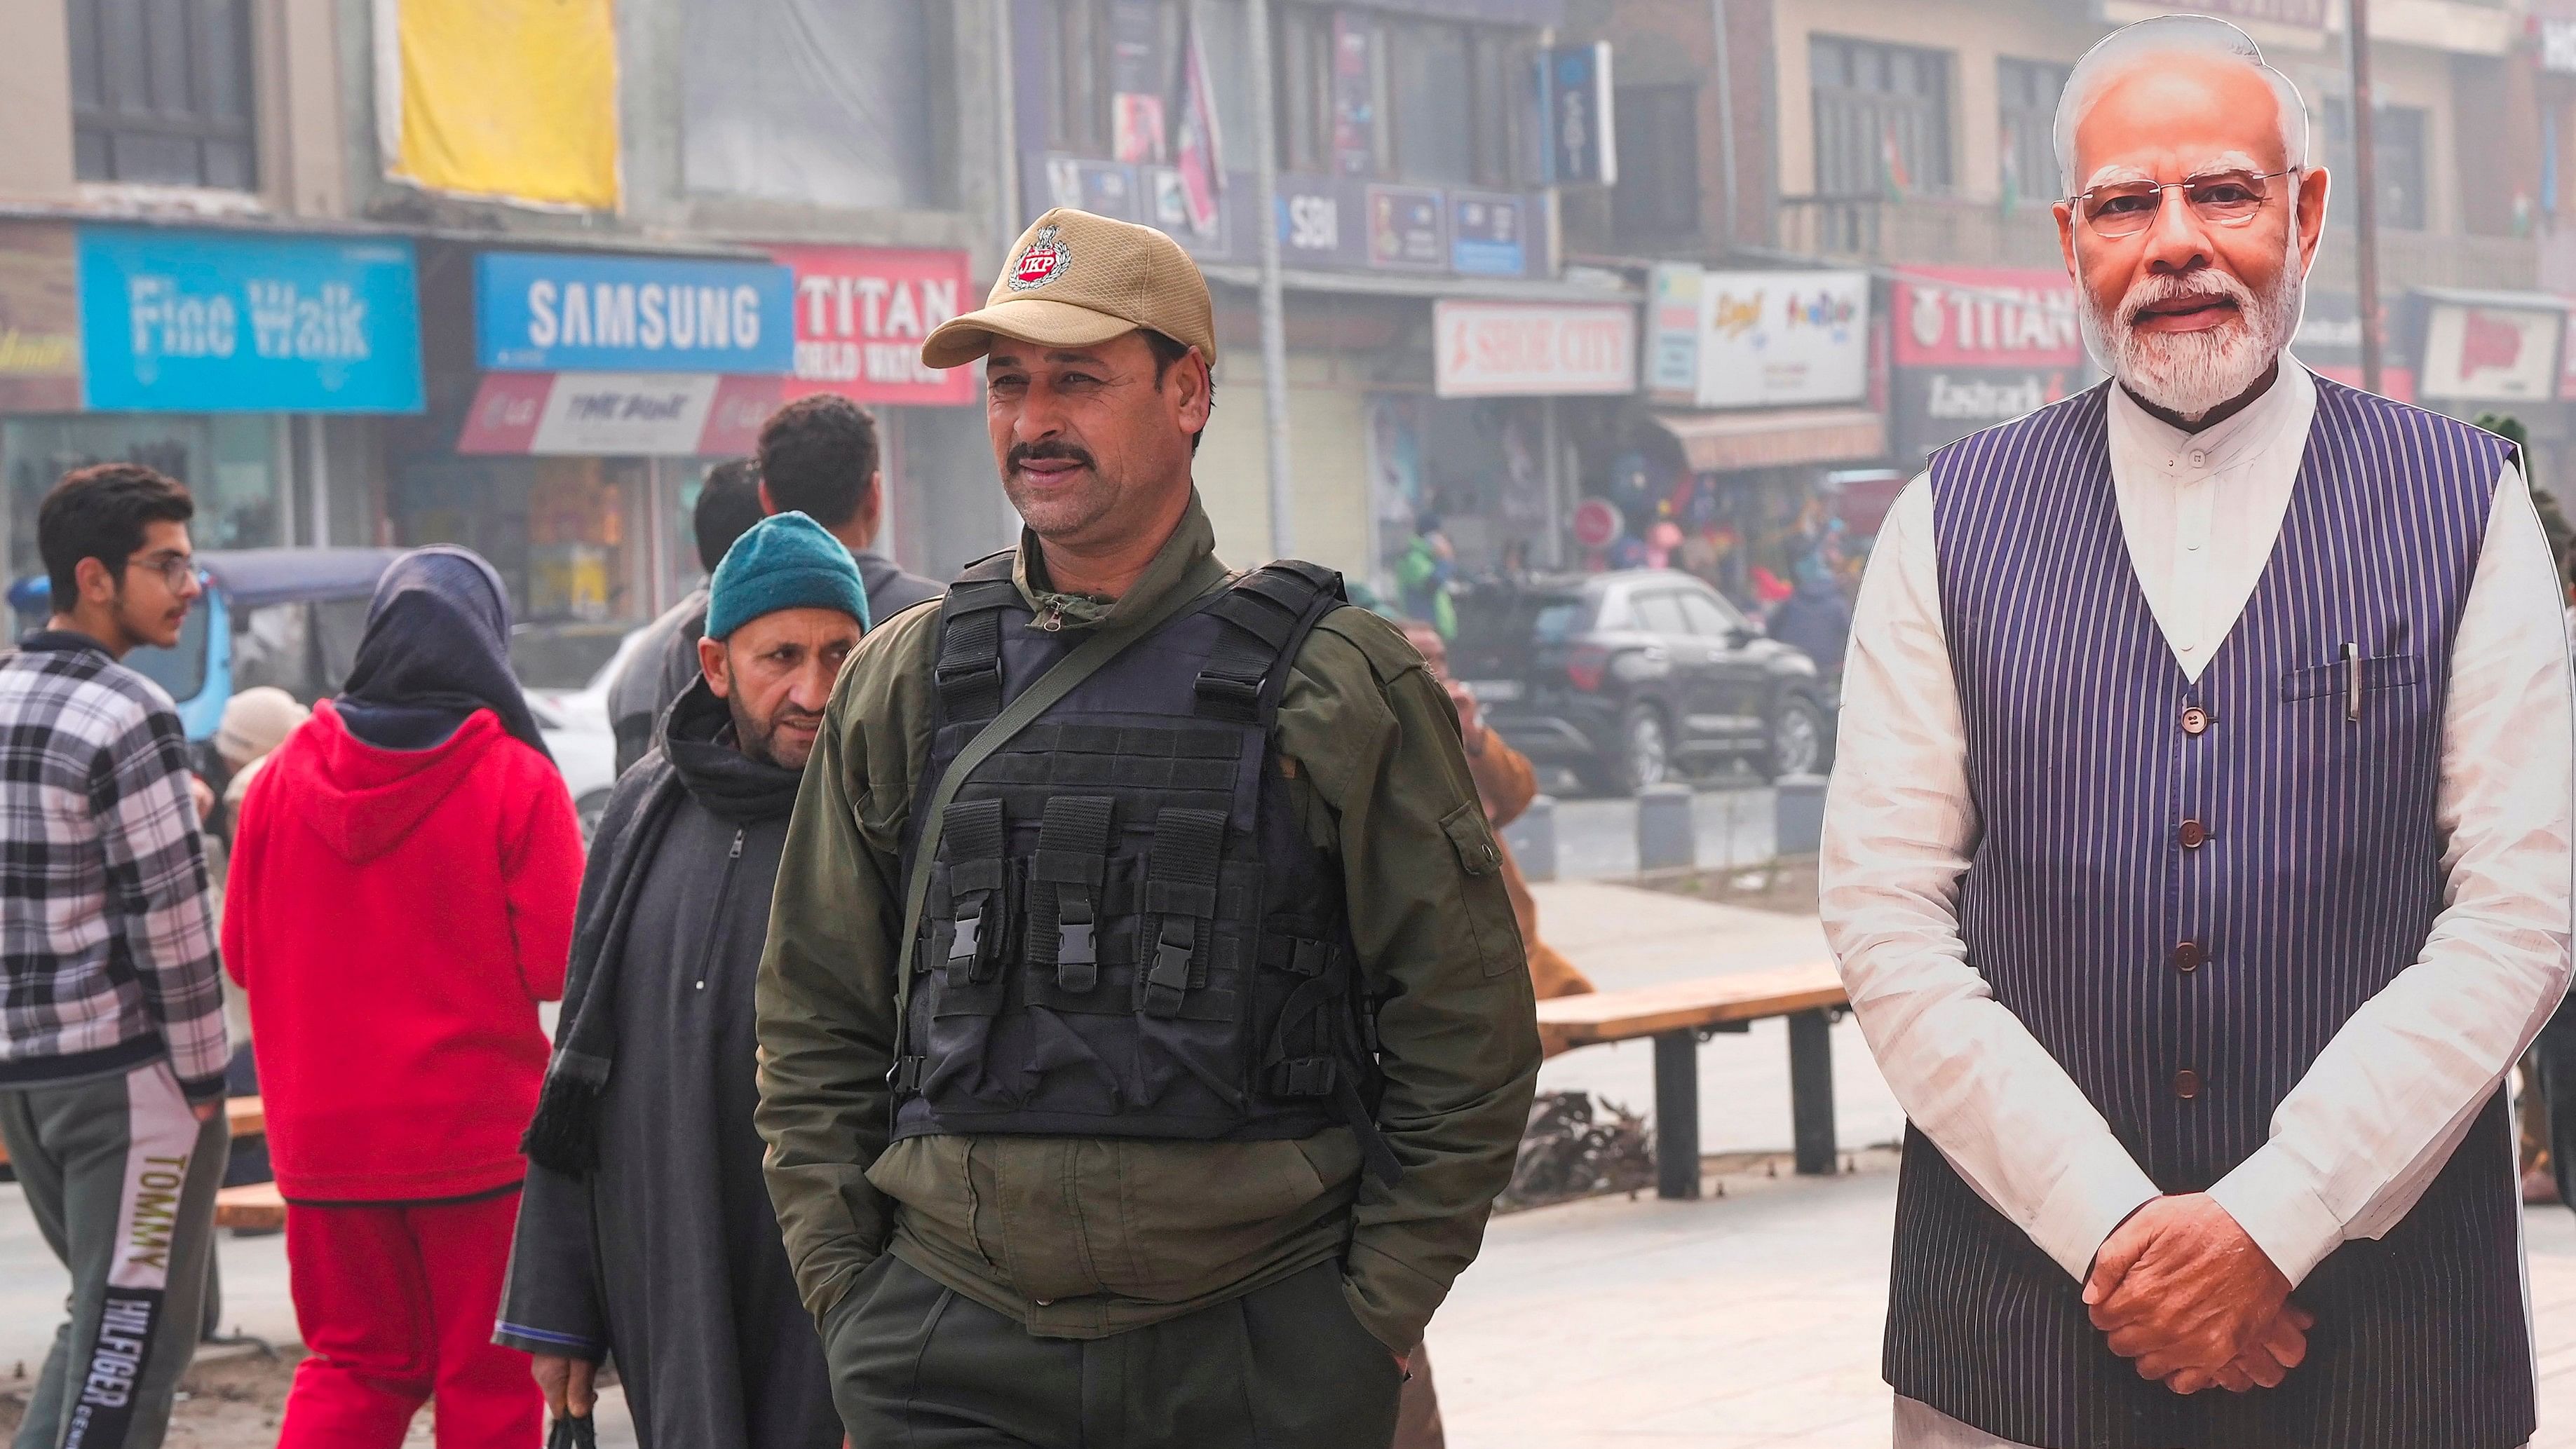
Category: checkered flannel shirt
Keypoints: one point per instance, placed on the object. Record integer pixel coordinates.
(107, 935)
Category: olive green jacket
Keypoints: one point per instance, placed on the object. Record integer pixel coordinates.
(1085, 1237)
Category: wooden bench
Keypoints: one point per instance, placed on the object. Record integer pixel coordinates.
(1678, 1016)
(244, 1114)
(251, 1205)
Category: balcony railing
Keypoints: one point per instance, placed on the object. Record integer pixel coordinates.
(1921, 229)
(1935, 231)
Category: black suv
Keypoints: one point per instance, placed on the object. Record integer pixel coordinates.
(1637, 677)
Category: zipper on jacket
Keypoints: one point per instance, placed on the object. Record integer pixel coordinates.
(715, 918)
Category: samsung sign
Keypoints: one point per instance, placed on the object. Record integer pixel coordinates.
(554, 311)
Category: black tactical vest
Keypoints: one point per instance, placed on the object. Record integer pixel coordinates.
(1127, 933)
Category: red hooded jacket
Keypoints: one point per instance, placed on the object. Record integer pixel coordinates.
(395, 917)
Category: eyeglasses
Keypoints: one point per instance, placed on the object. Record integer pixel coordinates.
(177, 570)
(2221, 198)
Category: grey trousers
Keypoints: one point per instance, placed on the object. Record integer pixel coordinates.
(917, 1365)
(121, 1178)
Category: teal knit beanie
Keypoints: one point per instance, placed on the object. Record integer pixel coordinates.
(786, 561)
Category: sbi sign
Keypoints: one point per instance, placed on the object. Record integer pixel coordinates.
(563, 312)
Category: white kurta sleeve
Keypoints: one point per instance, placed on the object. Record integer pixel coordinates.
(1899, 827)
(2362, 1135)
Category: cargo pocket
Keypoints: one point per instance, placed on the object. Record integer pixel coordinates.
(1489, 907)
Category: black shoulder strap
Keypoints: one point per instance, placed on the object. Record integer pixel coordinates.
(969, 671)
(1268, 613)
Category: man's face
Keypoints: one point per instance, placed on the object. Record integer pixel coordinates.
(148, 599)
(1090, 446)
(2189, 312)
(1433, 649)
(775, 673)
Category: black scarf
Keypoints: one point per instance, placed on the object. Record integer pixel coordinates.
(436, 649)
(699, 761)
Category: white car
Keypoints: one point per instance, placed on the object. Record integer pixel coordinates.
(575, 725)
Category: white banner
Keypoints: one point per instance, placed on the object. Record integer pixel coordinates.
(1772, 338)
(1534, 349)
(612, 413)
(2500, 354)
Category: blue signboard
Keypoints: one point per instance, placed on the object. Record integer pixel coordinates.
(1486, 235)
(1583, 147)
(210, 321)
(581, 312)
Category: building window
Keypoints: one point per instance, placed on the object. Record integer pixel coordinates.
(1657, 196)
(1433, 79)
(161, 92)
(2398, 154)
(845, 110)
(2026, 94)
(1882, 117)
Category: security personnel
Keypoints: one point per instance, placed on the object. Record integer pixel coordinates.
(1144, 1027)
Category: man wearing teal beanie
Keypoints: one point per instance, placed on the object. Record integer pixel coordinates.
(694, 1296)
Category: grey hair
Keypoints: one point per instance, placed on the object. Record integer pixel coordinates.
(2170, 35)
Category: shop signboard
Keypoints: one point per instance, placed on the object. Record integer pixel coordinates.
(861, 313)
(213, 321)
(2328, 343)
(1486, 235)
(1405, 229)
(1672, 333)
(1320, 223)
(1976, 346)
(1769, 339)
(580, 311)
(1533, 349)
(641, 414)
(2491, 348)
(40, 342)
(1582, 138)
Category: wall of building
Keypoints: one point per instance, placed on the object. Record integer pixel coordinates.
(1669, 42)
(1328, 462)
(1975, 33)
(35, 103)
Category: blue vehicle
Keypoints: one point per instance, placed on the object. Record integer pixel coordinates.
(290, 617)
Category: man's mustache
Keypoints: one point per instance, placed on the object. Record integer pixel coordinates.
(2207, 282)
(1047, 452)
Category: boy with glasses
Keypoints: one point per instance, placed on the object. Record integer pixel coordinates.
(112, 1045)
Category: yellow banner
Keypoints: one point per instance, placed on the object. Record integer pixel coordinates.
(514, 99)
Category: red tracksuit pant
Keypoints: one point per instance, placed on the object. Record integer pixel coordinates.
(396, 1305)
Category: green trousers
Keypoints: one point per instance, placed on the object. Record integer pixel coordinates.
(121, 1178)
(916, 1366)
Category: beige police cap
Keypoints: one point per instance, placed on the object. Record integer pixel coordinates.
(1077, 280)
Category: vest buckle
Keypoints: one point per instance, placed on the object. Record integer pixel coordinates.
(1169, 981)
(964, 947)
(1077, 963)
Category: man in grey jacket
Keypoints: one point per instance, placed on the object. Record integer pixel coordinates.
(819, 457)
(644, 1229)
(667, 661)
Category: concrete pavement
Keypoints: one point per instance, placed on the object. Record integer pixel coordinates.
(1751, 1318)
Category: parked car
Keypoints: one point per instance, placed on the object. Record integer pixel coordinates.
(292, 617)
(1637, 677)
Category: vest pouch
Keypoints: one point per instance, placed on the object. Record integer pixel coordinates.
(974, 901)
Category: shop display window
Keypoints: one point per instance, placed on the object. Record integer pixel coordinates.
(230, 463)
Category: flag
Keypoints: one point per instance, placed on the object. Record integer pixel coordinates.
(1891, 164)
(1201, 154)
(2011, 193)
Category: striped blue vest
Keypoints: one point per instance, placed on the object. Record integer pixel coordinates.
(2184, 908)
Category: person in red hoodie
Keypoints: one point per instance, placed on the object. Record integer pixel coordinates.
(401, 899)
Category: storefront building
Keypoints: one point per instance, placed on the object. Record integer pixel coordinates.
(1971, 347)
(250, 365)
(580, 397)
(1765, 391)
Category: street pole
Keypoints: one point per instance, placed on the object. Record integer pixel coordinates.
(2365, 216)
(1274, 325)
(1723, 66)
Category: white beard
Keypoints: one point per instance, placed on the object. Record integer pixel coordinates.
(2189, 373)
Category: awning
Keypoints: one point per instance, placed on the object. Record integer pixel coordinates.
(1776, 437)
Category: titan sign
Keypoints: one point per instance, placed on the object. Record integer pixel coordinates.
(1976, 346)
